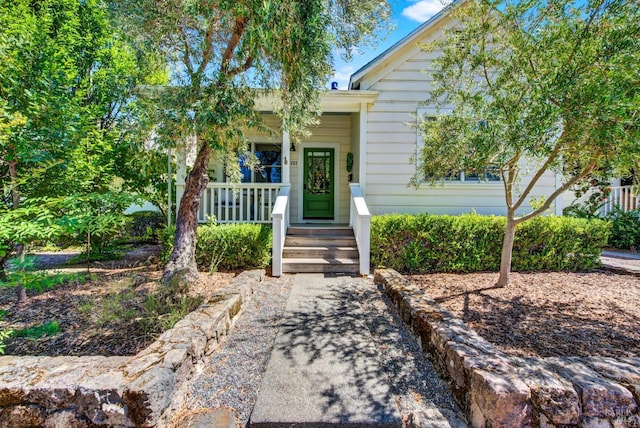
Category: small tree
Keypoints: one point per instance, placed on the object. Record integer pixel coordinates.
(549, 84)
(221, 52)
(66, 82)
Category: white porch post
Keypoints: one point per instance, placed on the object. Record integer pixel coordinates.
(286, 157)
(560, 198)
(362, 161)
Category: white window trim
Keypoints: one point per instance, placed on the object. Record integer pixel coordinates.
(253, 172)
(336, 192)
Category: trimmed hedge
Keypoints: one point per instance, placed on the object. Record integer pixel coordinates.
(473, 243)
(227, 246)
(625, 229)
(145, 225)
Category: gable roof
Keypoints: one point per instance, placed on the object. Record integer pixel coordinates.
(411, 38)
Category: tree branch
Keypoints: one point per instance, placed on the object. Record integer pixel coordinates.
(552, 156)
(237, 70)
(508, 192)
(578, 40)
(238, 31)
(208, 49)
(557, 193)
(186, 57)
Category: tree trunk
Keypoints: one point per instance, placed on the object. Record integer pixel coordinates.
(21, 294)
(88, 252)
(13, 180)
(3, 268)
(507, 251)
(183, 257)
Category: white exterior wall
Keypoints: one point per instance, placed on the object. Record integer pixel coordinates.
(391, 142)
(333, 129)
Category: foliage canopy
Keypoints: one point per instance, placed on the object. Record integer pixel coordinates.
(224, 55)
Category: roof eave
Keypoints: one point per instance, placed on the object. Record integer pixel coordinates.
(356, 78)
(331, 101)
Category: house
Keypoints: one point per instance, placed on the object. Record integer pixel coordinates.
(355, 164)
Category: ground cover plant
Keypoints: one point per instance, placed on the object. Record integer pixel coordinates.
(117, 310)
(549, 314)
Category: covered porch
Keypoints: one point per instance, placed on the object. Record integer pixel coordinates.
(318, 180)
(317, 169)
(623, 198)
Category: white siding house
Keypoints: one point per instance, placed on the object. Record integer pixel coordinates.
(373, 120)
(401, 77)
(372, 123)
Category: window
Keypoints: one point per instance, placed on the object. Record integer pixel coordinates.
(490, 174)
(269, 169)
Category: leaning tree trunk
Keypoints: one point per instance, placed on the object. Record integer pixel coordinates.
(183, 258)
(3, 268)
(507, 251)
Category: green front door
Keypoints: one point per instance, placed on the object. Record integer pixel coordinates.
(318, 186)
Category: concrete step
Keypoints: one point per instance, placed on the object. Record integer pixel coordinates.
(325, 251)
(313, 241)
(319, 231)
(324, 370)
(318, 265)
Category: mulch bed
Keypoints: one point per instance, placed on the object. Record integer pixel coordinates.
(546, 314)
(87, 325)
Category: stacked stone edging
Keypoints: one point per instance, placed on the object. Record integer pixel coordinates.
(118, 391)
(497, 390)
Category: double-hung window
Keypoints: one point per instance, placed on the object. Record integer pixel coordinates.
(490, 174)
(269, 168)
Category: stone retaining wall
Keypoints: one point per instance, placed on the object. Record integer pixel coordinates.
(497, 390)
(118, 391)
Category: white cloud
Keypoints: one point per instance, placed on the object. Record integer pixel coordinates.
(423, 10)
(342, 76)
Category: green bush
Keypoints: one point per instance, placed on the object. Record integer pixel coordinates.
(473, 243)
(625, 229)
(166, 236)
(145, 225)
(226, 246)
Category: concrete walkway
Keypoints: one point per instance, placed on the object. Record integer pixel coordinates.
(619, 261)
(325, 368)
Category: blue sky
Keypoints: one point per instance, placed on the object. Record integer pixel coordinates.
(407, 15)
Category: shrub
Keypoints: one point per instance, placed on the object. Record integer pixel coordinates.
(166, 236)
(473, 243)
(145, 225)
(625, 229)
(226, 246)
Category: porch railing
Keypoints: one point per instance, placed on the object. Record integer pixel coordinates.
(360, 221)
(242, 203)
(280, 216)
(623, 197)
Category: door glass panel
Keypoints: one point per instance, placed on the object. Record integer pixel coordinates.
(318, 181)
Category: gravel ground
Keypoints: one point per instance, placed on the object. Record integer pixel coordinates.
(235, 372)
(424, 399)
